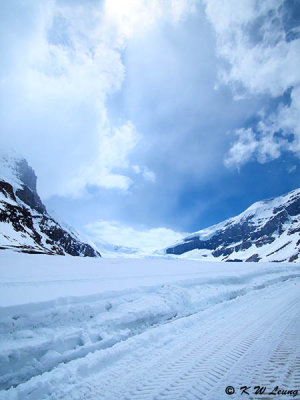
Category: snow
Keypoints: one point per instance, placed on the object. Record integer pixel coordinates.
(8, 236)
(24, 238)
(4, 199)
(92, 328)
(8, 169)
(259, 211)
(263, 210)
(283, 247)
(54, 277)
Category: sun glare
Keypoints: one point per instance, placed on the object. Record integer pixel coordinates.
(132, 16)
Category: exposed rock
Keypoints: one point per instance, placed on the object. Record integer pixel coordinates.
(253, 258)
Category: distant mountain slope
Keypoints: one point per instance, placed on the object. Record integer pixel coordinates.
(25, 224)
(267, 231)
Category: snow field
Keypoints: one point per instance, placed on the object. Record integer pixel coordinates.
(142, 329)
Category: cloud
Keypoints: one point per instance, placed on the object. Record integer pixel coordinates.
(114, 105)
(260, 44)
(243, 149)
(147, 174)
(133, 17)
(59, 68)
(54, 110)
(292, 169)
(114, 147)
(169, 95)
(118, 234)
(262, 146)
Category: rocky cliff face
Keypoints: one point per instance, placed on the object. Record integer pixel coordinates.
(25, 224)
(267, 231)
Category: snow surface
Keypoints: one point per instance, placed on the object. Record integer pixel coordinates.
(8, 167)
(77, 328)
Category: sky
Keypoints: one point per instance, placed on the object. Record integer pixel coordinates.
(145, 120)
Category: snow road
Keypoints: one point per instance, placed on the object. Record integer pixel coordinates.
(147, 329)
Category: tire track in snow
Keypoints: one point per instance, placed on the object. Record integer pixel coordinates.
(188, 369)
(276, 355)
(203, 358)
(63, 348)
(196, 374)
(68, 347)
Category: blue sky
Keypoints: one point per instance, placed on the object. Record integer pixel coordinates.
(145, 120)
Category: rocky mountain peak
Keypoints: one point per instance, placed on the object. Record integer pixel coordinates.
(25, 224)
(26, 174)
(268, 230)
(16, 171)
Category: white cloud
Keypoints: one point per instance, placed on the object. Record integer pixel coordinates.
(262, 146)
(266, 64)
(136, 169)
(147, 174)
(114, 147)
(117, 234)
(135, 16)
(260, 60)
(242, 150)
(288, 121)
(56, 79)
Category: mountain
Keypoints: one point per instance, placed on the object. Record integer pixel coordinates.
(267, 231)
(25, 224)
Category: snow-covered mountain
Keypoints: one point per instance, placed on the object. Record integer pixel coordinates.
(267, 231)
(25, 224)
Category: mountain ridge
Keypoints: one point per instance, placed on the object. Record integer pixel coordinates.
(25, 224)
(267, 230)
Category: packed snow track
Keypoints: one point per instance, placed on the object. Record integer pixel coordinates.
(148, 329)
